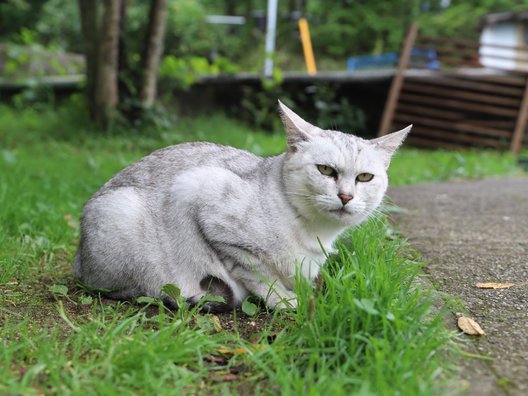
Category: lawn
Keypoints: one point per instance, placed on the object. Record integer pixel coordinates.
(367, 329)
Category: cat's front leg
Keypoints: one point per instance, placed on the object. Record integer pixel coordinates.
(271, 291)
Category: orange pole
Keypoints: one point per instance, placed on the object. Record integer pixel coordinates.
(307, 46)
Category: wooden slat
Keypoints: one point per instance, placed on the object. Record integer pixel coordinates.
(460, 63)
(516, 80)
(454, 116)
(458, 137)
(447, 51)
(478, 74)
(459, 105)
(468, 84)
(446, 115)
(459, 94)
(492, 123)
(457, 52)
(471, 53)
(415, 140)
(395, 88)
(448, 41)
(456, 126)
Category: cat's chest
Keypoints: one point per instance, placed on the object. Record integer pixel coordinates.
(301, 251)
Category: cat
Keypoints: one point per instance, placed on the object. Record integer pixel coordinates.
(217, 220)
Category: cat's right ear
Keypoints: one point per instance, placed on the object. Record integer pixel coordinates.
(296, 128)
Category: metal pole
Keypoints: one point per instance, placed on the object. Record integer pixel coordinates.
(271, 25)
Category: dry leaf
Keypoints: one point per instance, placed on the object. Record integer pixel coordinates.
(493, 285)
(237, 351)
(469, 326)
(216, 360)
(224, 378)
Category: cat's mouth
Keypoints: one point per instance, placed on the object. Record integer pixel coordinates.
(341, 212)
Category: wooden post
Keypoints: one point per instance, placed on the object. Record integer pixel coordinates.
(520, 125)
(396, 84)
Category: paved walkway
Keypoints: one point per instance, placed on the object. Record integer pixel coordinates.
(473, 232)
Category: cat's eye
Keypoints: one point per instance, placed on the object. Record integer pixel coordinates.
(327, 170)
(364, 177)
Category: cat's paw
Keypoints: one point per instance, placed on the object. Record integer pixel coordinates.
(282, 302)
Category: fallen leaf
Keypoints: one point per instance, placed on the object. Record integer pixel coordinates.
(221, 360)
(86, 300)
(249, 308)
(493, 285)
(237, 351)
(59, 289)
(209, 323)
(224, 378)
(469, 326)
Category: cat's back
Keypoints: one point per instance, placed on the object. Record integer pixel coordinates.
(162, 166)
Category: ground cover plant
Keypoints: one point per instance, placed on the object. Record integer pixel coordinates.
(367, 328)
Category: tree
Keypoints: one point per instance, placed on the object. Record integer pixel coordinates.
(153, 51)
(103, 39)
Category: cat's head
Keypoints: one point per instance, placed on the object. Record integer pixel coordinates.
(332, 176)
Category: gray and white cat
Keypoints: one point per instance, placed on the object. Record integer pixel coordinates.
(217, 220)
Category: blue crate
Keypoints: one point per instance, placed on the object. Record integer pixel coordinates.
(382, 61)
(388, 60)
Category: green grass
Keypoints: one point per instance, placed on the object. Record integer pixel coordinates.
(369, 330)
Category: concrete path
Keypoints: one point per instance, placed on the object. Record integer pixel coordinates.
(473, 232)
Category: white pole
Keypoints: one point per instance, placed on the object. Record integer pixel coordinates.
(271, 25)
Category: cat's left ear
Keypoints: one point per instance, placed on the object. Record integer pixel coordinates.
(296, 128)
(388, 144)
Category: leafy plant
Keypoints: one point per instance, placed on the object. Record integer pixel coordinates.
(182, 72)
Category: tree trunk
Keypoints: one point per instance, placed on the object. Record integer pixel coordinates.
(153, 51)
(89, 25)
(127, 87)
(106, 92)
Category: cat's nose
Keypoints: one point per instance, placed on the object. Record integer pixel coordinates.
(345, 198)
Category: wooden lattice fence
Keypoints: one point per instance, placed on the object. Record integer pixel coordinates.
(457, 94)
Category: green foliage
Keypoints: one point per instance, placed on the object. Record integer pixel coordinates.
(339, 29)
(31, 60)
(185, 71)
(414, 166)
(355, 335)
(60, 28)
(188, 33)
(360, 27)
(319, 104)
(334, 112)
(462, 17)
(17, 14)
(249, 308)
